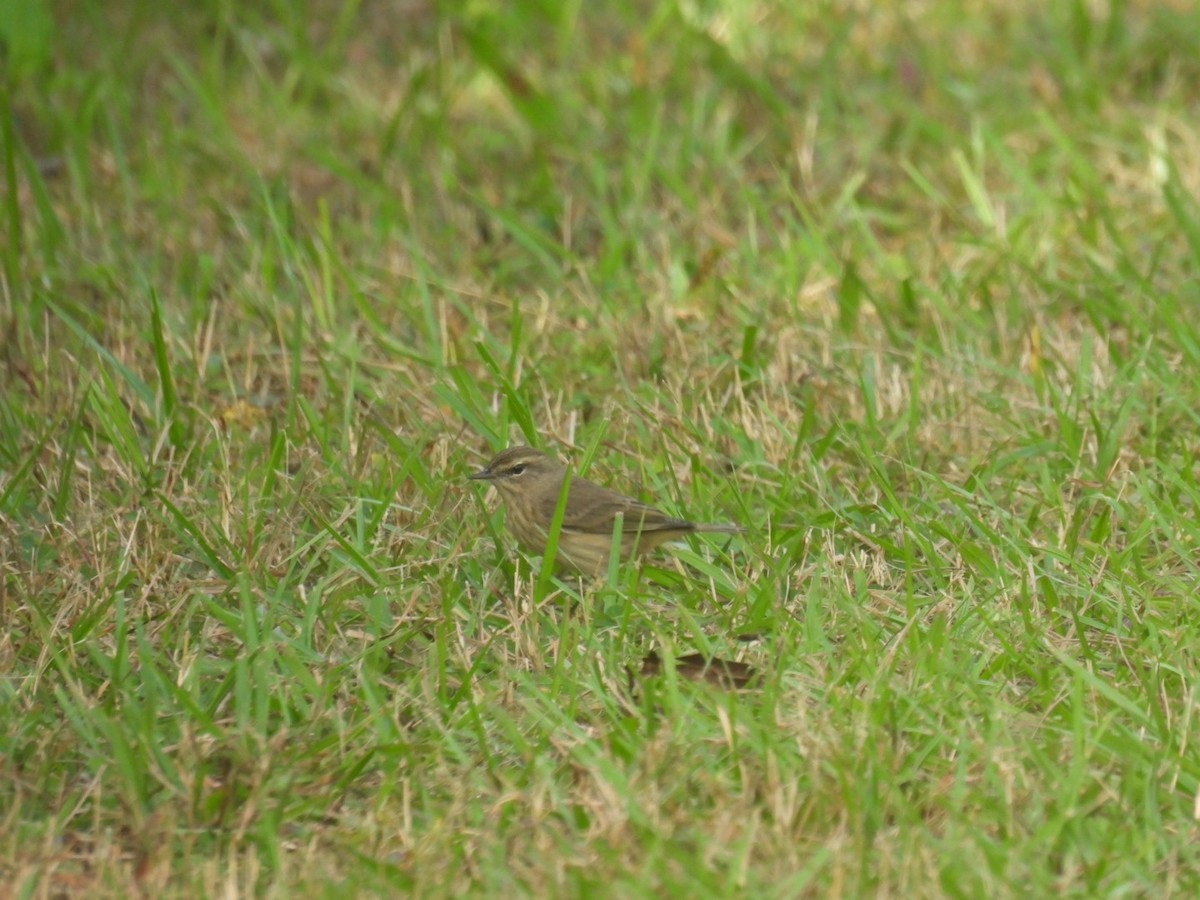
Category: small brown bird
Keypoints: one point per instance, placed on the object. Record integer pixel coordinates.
(728, 673)
(530, 482)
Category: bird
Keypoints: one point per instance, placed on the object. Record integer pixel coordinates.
(530, 483)
(727, 673)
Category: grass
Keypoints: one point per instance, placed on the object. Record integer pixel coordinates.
(908, 290)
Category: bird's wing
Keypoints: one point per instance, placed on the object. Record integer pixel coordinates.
(593, 512)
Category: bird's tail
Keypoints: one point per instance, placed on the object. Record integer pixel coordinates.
(720, 527)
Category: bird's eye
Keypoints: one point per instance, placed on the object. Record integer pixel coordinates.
(518, 468)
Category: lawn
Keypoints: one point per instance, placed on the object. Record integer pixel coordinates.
(908, 290)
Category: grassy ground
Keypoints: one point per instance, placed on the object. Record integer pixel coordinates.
(907, 289)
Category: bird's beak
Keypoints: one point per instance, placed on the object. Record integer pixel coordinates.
(481, 475)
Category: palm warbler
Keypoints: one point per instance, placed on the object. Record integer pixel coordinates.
(530, 483)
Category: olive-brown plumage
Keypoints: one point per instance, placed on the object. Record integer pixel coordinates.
(530, 483)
